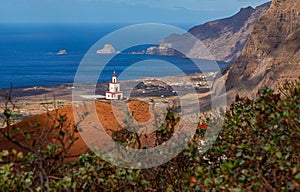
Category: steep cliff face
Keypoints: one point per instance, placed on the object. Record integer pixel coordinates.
(224, 38)
(272, 53)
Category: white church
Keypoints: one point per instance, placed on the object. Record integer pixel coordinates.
(114, 90)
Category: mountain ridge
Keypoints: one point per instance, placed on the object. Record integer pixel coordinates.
(272, 54)
(224, 38)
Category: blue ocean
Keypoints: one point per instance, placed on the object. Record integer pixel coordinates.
(28, 53)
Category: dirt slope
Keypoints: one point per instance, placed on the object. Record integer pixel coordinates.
(139, 110)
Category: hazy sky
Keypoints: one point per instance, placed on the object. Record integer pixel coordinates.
(120, 11)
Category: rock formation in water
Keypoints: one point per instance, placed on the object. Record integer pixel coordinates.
(107, 49)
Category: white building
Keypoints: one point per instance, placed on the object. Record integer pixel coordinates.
(114, 90)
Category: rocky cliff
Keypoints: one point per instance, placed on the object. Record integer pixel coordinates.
(272, 53)
(225, 38)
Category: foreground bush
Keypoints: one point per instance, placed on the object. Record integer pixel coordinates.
(257, 150)
(261, 141)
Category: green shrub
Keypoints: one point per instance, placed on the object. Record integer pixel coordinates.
(257, 150)
(260, 144)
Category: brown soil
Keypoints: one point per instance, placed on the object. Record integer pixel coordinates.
(139, 110)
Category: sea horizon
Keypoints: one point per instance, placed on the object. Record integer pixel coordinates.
(29, 52)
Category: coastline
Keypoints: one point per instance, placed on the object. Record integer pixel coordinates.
(31, 101)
